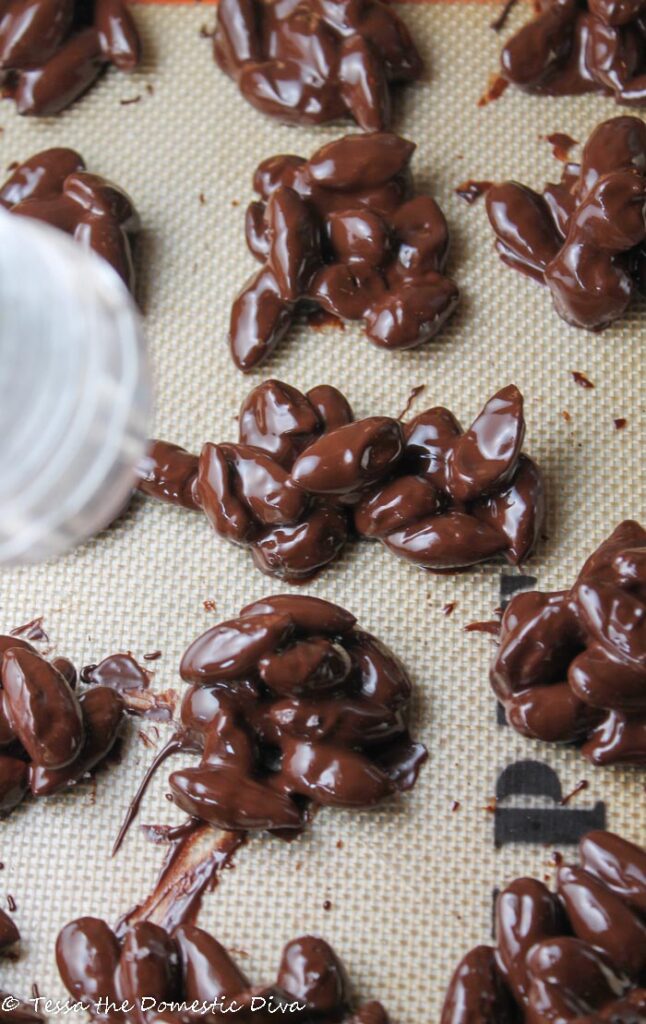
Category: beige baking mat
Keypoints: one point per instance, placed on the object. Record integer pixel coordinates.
(410, 884)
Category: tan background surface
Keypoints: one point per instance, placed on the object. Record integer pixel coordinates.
(410, 889)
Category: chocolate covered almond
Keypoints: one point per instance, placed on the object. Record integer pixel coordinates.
(343, 233)
(574, 955)
(316, 62)
(52, 51)
(571, 665)
(187, 965)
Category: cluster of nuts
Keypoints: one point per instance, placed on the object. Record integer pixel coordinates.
(571, 665)
(316, 61)
(576, 46)
(49, 737)
(245, 489)
(187, 975)
(291, 704)
(51, 51)
(304, 472)
(583, 237)
(53, 186)
(577, 955)
(344, 233)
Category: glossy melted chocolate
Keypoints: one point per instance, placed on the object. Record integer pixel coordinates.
(305, 472)
(51, 51)
(50, 737)
(189, 966)
(316, 61)
(245, 489)
(578, 46)
(578, 955)
(585, 237)
(344, 233)
(571, 665)
(53, 186)
(292, 705)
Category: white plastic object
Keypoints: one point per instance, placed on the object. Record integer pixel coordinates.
(74, 392)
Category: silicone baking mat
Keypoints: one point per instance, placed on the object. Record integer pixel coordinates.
(410, 885)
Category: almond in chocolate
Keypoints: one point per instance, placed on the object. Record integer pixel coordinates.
(344, 233)
(12, 1010)
(571, 47)
(571, 665)
(51, 51)
(291, 705)
(245, 489)
(149, 966)
(304, 470)
(54, 187)
(316, 61)
(50, 735)
(575, 955)
(585, 237)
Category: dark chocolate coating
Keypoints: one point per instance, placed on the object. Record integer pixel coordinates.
(316, 61)
(344, 233)
(9, 934)
(584, 237)
(189, 965)
(51, 51)
(457, 497)
(291, 703)
(434, 494)
(571, 48)
(53, 186)
(50, 736)
(576, 955)
(571, 665)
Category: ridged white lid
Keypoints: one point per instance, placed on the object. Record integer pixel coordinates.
(74, 392)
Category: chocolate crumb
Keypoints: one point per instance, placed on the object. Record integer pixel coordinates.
(620, 422)
(455, 806)
(449, 608)
(580, 786)
(153, 656)
(32, 630)
(131, 101)
(581, 379)
(499, 23)
(471, 190)
(495, 89)
(11, 903)
(414, 393)
(561, 145)
(327, 905)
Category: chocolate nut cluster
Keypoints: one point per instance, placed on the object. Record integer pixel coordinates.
(305, 476)
(343, 233)
(577, 955)
(571, 665)
(54, 186)
(151, 967)
(290, 705)
(316, 61)
(51, 51)
(584, 237)
(437, 495)
(50, 737)
(246, 490)
(20, 1013)
(577, 46)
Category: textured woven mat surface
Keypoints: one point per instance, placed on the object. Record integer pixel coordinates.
(411, 884)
